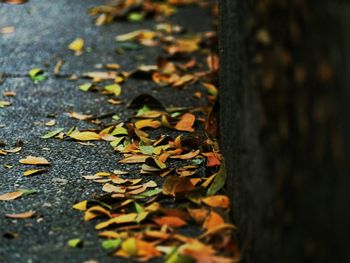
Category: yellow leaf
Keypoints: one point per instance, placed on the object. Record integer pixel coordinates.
(147, 123)
(94, 212)
(77, 45)
(129, 246)
(128, 218)
(11, 196)
(32, 172)
(81, 206)
(85, 136)
(32, 160)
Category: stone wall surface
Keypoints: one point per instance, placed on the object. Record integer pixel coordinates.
(285, 127)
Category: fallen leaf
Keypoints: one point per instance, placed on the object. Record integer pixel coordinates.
(186, 123)
(11, 196)
(219, 180)
(111, 244)
(213, 220)
(79, 116)
(50, 123)
(33, 172)
(134, 159)
(32, 160)
(7, 30)
(77, 45)
(74, 243)
(52, 133)
(4, 104)
(81, 206)
(171, 221)
(217, 201)
(24, 215)
(148, 123)
(84, 136)
(114, 88)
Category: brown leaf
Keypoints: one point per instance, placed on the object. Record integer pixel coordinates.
(24, 215)
(134, 159)
(78, 116)
(186, 156)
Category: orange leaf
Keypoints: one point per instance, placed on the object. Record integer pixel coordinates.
(213, 159)
(171, 221)
(217, 201)
(213, 220)
(21, 215)
(147, 123)
(146, 249)
(11, 196)
(198, 215)
(186, 122)
(32, 160)
(186, 156)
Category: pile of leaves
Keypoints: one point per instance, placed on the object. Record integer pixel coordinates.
(175, 206)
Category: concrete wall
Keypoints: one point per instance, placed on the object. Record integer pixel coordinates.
(285, 121)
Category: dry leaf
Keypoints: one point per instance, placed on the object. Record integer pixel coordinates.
(32, 160)
(147, 124)
(24, 215)
(171, 221)
(33, 172)
(134, 159)
(77, 45)
(213, 220)
(186, 123)
(79, 116)
(217, 201)
(11, 196)
(85, 136)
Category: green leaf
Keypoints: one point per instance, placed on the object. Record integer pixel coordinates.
(219, 180)
(116, 142)
(146, 149)
(76, 242)
(119, 131)
(149, 193)
(37, 75)
(129, 46)
(116, 117)
(85, 87)
(27, 191)
(114, 88)
(111, 244)
(52, 133)
(197, 161)
(143, 110)
(176, 257)
(139, 208)
(136, 17)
